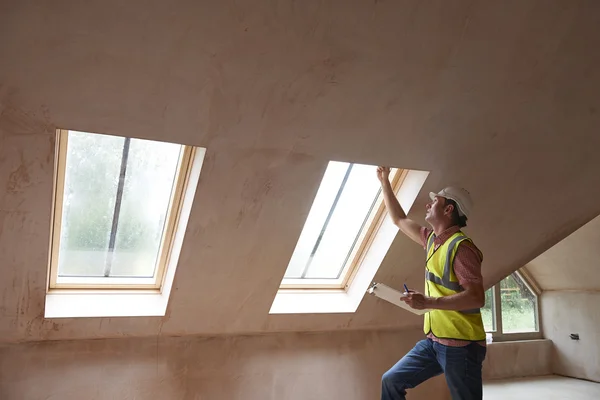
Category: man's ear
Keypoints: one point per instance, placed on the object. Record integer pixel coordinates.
(449, 209)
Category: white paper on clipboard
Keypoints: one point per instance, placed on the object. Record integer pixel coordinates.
(393, 296)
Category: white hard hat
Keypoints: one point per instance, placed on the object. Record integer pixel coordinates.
(459, 195)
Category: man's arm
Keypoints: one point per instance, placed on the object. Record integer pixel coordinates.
(409, 227)
(467, 267)
(472, 297)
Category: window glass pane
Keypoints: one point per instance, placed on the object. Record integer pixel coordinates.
(488, 311)
(91, 178)
(519, 306)
(151, 169)
(341, 207)
(91, 196)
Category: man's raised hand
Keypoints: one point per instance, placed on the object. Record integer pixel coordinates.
(383, 174)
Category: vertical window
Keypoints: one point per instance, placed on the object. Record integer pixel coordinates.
(519, 305)
(511, 309)
(488, 312)
(344, 215)
(116, 201)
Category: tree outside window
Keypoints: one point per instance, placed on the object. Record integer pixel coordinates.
(517, 311)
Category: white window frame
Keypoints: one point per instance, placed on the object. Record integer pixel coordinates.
(498, 335)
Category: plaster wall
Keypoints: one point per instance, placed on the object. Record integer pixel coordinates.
(566, 312)
(572, 263)
(486, 95)
(505, 360)
(336, 365)
(342, 365)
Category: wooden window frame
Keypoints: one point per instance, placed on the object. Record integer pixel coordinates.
(365, 239)
(112, 283)
(498, 334)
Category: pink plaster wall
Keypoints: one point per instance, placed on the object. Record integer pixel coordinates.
(499, 97)
(571, 263)
(319, 366)
(340, 365)
(565, 312)
(518, 359)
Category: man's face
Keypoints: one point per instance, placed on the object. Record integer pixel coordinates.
(434, 210)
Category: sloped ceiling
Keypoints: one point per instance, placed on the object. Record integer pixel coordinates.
(500, 97)
(572, 264)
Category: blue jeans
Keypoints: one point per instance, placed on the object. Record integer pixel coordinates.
(461, 365)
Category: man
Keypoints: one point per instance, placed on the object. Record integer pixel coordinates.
(455, 343)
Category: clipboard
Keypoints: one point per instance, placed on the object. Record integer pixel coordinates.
(393, 296)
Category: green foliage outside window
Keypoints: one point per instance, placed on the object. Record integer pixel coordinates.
(518, 306)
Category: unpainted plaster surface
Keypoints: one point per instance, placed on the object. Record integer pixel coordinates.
(501, 98)
(567, 312)
(340, 365)
(571, 264)
(518, 359)
(343, 365)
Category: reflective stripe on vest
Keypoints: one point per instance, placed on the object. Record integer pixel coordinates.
(442, 281)
(445, 280)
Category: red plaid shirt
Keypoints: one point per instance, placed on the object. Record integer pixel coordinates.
(467, 268)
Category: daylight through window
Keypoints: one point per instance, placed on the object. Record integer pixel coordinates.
(488, 312)
(115, 206)
(518, 304)
(511, 308)
(344, 215)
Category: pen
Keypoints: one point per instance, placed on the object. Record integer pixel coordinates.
(406, 288)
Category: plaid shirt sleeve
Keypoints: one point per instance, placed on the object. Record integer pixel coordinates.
(424, 235)
(467, 264)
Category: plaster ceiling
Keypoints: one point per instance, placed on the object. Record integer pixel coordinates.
(499, 97)
(572, 263)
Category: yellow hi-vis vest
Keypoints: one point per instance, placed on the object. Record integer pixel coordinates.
(440, 280)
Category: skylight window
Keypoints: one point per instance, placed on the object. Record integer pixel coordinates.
(115, 207)
(345, 214)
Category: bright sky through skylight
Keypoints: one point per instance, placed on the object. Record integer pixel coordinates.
(342, 205)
